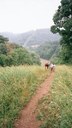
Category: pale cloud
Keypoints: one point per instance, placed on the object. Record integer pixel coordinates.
(24, 15)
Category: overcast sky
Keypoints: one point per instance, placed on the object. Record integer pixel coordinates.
(19, 16)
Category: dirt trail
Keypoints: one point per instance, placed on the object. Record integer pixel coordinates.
(28, 115)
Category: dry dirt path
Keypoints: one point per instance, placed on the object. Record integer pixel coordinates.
(27, 115)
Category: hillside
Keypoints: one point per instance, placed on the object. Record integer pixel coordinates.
(32, 38)
(13, 54)
(41, 41)
(49, 51)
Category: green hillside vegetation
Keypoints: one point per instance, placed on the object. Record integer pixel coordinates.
(17, 85)
(55, 109)
(13, 54)
(49, 51)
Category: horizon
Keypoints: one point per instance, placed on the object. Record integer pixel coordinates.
(21, 16)
(25, 31)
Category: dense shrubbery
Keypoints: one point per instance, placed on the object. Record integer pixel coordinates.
(12, 54)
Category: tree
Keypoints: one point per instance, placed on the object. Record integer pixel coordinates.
(35, 58)
(22, 56)
(63, 25)
(13, 54)
(3, 39)
(3, 48)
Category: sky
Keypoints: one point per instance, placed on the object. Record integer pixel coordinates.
(20, 16)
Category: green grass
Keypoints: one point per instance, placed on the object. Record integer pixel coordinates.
(55, 109)
(17, 85)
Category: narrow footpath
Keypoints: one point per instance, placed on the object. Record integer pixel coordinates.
(27, 115)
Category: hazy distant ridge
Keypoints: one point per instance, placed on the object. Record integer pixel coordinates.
(32, 37)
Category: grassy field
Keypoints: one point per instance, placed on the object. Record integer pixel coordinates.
(17, 85)
(55, 109)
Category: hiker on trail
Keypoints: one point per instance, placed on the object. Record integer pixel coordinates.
(52, 67)
(47, 65)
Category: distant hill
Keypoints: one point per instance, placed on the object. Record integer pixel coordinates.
(49, 51)
(32, 38)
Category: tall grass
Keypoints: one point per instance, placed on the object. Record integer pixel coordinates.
(55, 109)
(17, 85)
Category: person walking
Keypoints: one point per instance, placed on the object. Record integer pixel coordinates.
(52, 67)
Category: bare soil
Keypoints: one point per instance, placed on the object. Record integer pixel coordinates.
(28, 115)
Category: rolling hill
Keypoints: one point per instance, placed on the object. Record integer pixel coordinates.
(32, 38)
(41, 41)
